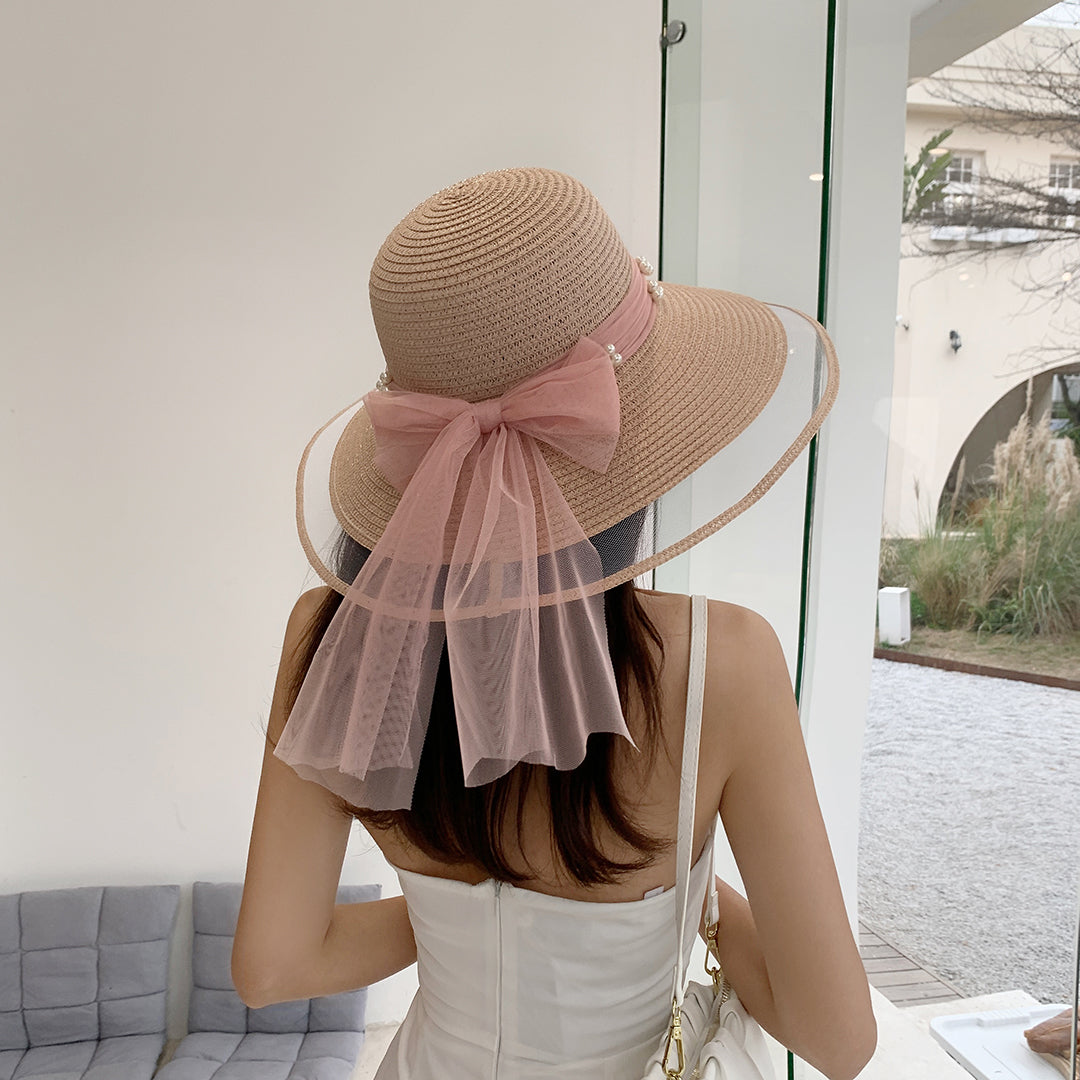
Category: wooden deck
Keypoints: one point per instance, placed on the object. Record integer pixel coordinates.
(897, 976)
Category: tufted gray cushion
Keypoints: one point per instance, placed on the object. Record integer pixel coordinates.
(318, 1039)
(83, 974)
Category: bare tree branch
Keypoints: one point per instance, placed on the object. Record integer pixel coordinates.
(1026, 222)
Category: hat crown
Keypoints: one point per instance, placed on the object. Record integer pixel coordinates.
(492, 279)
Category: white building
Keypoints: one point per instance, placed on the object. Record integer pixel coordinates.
(970, 332)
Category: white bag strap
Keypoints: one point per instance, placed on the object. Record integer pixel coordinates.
(684, 852)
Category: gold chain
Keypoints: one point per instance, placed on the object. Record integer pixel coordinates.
(712, 935)
(674, 1035)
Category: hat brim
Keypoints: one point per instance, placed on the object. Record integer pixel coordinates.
(712, 363)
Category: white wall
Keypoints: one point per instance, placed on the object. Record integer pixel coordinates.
(191, 200)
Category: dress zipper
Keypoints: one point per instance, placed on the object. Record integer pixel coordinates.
(498, 980)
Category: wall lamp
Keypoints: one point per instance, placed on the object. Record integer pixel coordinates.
(954, 340)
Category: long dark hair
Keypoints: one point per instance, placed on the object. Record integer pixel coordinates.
(450, 822)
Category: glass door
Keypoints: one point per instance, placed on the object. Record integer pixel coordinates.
(745, 167)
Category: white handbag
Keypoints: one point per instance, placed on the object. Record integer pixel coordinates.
(710, 1036)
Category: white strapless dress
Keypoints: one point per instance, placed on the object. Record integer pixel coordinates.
(519, 985)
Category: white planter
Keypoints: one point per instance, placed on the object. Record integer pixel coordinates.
(894, 615)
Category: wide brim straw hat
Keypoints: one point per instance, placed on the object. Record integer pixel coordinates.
(490, 280)
(541, 395)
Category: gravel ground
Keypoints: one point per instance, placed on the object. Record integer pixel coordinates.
(969, 851)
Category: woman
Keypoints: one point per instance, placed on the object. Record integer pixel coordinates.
(496, 497)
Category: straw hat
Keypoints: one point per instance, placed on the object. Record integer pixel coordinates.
(490, 280)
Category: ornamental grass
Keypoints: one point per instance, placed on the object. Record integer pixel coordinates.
(1008, 561)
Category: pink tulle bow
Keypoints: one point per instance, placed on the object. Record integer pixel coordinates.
(484, 548)
(572, 406)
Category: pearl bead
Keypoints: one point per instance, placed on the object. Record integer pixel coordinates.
(383, 381)
(616, 358)
(646, 266)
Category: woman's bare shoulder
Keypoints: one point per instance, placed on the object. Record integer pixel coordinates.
(746, 669)
(739, 632)
(307, 604)
(745, 659)
(737, 635)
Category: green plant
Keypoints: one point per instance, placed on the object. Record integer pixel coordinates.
(1072, 433)
(924, 181)
(894, 560)
(918, 610)
(945, 568)
(939, 569)
(997, 615)
(1015, 566)
(1030, 530)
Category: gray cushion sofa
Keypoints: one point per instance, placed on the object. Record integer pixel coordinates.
(83, 981)
(318, 1039)
(83, 976)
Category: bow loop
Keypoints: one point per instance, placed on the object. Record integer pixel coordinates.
(408, 426)
(572, 405)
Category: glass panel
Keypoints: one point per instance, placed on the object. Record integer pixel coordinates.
(743, 169)
(969, 838)
(730, 224)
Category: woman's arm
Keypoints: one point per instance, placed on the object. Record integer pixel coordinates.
(292, 939)
(790, 949)
(741, 956)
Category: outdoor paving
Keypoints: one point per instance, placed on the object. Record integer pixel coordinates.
(969, 851)
(897, 976)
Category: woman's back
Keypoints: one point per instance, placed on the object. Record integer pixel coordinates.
(789, 953)
(547, 979)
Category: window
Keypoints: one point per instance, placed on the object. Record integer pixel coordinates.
(1064, 173)
(961, 169)
(957, 216)
(961, 180)
(1064, 192)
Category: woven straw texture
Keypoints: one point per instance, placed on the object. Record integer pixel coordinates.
(495, 277)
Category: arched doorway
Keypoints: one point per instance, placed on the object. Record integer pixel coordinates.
(977, 451)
